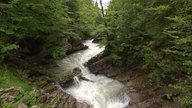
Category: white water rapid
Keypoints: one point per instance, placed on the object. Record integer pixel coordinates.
(101, 93)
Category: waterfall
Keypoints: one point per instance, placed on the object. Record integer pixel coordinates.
(101, 91)
(76, 80)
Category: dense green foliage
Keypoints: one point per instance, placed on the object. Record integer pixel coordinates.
(46, 28)
(157, 33)
(39, 26)
(40, 29)
(32, 26)
(89, 18)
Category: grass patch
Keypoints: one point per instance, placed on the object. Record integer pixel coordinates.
(29, 97)
(9, 78)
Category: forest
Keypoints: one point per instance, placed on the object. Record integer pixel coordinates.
(154, 33)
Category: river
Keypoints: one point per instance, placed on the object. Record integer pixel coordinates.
(101, 93)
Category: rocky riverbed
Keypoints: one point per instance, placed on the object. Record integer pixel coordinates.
(41, 76)
(50, 95)
(142, 92)
(44, 79)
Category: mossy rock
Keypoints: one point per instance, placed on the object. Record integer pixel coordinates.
(66, 79)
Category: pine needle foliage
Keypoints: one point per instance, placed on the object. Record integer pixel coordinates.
(157, 33)
(40, 26)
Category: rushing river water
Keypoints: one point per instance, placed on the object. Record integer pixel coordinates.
(101, 93)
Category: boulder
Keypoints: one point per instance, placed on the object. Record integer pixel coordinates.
(57, 98)
(65, 79)
(76, 47)
(96, 40)
(34, 106)
(22, 105)
(7, 95)
(43, 98)
(77, 72)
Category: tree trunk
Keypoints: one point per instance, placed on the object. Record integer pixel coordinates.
(102, 10)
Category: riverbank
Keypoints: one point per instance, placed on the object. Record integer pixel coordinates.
(143, 93)
(47, 93)
(30, 82)
(38, 90)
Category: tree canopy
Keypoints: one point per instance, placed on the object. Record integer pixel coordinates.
(157, 33)
(41, 26)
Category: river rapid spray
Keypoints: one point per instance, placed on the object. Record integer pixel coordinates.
(101, 93)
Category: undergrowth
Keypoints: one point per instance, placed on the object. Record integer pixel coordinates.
(9, 78)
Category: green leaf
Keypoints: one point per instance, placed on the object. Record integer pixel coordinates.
(9, 48)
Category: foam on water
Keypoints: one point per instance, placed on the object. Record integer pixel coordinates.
(101, 93)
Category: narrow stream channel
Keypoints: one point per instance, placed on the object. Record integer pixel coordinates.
(101, 93)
